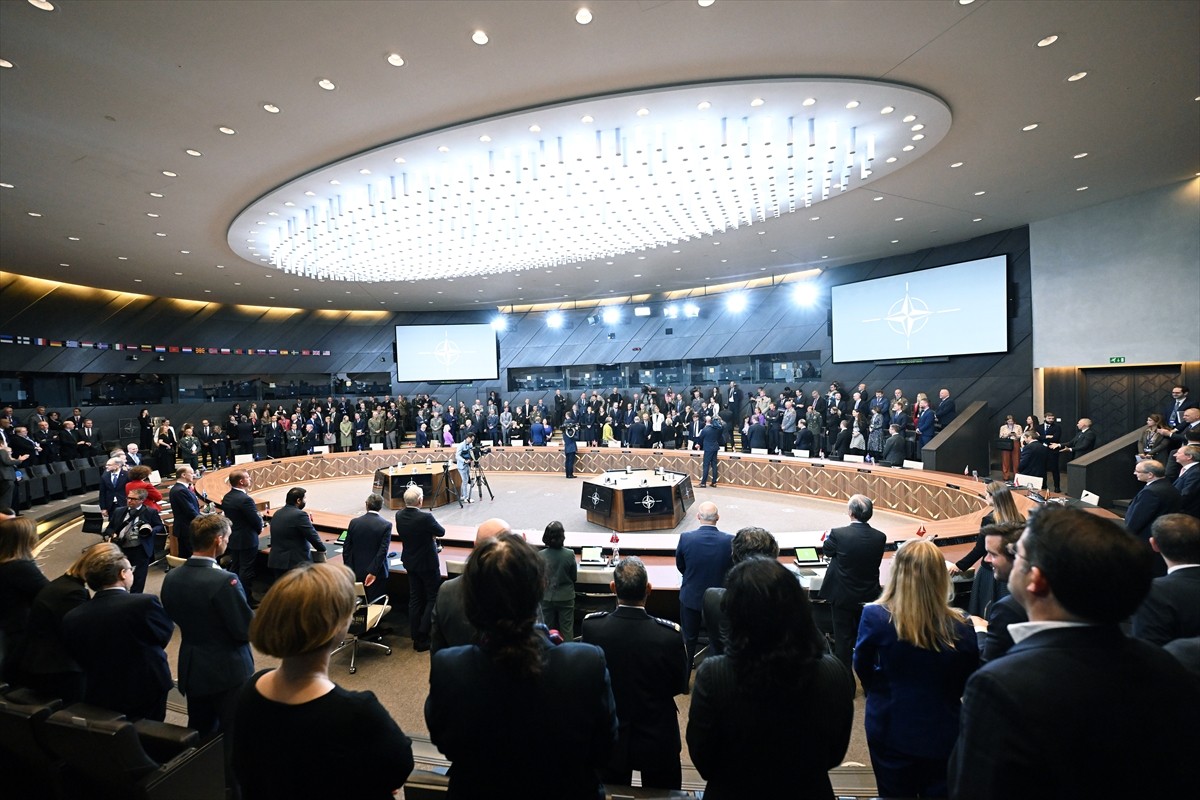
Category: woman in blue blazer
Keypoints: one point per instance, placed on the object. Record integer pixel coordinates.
(914, 655)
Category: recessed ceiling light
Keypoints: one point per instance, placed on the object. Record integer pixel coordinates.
(703, 105)
(583, 16)
(1030, 126)
(64, 265)
(830, 237)
(310, 194)
(73, 238)
(965, 2)
(271, 108)
(186, 252)
(1080, 155)
(918, 137)
(756, 102)
(824, 256)
(151, 214)
(237, 283)
(956, 165)
(1049, 40)
(335, 182)
(179, 274)
(6, 186)
(395, 60)
(852, 104)
(228, 131)
(159, 234)
(535, 128)
(887, 109)
(364, 171)
(977, 219)
(895, 241)
(643, 112)
(1081, 189)
(5, 63)
(918, 127)
(33, 213)
(479, 37)
(399, 160)
(977, 194)
(194, 153)
(1078, 76)
(907, 148)
(122, 258)
(326, 84)
(910, 118)
(809, 101)
(705, 3)
(443, 149)
(876, 199)
(170, 174)
(155, 194)
(813, 219)
(899, 219)
(587, 119)
(44, 5)
(222, 266)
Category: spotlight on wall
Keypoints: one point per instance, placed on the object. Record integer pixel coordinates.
(641, 311)
(736, 303)
(671, 311)
(592, 320)
(805, 294)
(611, 316)
(691, 310)
(554, 319)
(500, 323)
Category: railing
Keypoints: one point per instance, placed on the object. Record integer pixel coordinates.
(964, 444)
(1106, 471)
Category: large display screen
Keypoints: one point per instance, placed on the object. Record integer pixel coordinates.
(441, 353)
(946, 311)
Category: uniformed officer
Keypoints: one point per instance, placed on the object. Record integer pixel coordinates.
(647, 662)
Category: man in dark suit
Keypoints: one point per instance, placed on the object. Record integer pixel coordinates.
(1188, 432)
(247, 523)
(1181, 401)
(419, 531)
(756, 436)
(210, 608)
(8, 475)
(450, 626)
(293, 536)
(133, 527)
(747, 542)
(1000, 540)
(1074, 690)
(1083, 442)
(945, 412)
(926, 423)
(1156, 498)
(118, 639)
(1051, 436)
(893, 447)
(703, 556)
(1188, 482)
(366, 547)
(804, 437)
(570, 430)
(185, 507)
(1172, 608)
(1033, 457)
(854, 552)
(276, 437)
(112, 486)
(736, 400)
(647, 662)
(710, 444)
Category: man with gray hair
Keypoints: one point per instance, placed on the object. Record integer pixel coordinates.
(647, 662)
(855, 552)
(747, 543)
(703, 556)
(133, 527)
(366, 547)
(418, 532)
(1156, 498)
(449, 626)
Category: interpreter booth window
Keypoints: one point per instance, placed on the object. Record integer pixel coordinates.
(595, 377)
(526, 379)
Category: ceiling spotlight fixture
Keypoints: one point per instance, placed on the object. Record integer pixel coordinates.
(326, 84)
(1049, 40)
(1078, 76)
(170, 174)
(907, 148)
(271, 108)
(587, 119)
(1080, 155)
(705, 3)
(956, 165)
(909, 118)
(554, 320)
(73, 238)
(736, 303)
(805, 294)
(1081, 189)
(887, 109)
(671, 311)
(890, 160)
(756, 102)
(194, 153)
(1030, 126)
(583, 16)
(809, 101)
(535, 128)
(499, 322)
(643, 112)
(611, 316)
(395, 59)
(641, 311)
(977, 194)
(480, 38)
(703, 105)
(852, 104)
(6, 186)
(5, 63)
(228, 131)
(156, 194)
(691, 310)
(44, 5)
(977, 219)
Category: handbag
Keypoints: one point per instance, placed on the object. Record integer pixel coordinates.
(1002, 444)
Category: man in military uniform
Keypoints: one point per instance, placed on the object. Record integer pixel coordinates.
(648, 665)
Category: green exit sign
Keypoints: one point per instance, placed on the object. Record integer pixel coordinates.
(1117, 360)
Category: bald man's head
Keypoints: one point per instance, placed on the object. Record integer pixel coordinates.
(491, 528)
(707, 513)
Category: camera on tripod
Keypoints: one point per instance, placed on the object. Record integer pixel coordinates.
(478, 452)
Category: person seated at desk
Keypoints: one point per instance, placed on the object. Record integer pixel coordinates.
(282, 714)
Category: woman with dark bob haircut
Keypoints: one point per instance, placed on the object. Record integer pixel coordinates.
(749, 705)
(516, 715)
(283, 717)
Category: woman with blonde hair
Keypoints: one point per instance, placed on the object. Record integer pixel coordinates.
(20, 582)
(280, 713)
(914, 655)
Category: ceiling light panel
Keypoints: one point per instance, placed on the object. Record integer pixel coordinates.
(541, 188)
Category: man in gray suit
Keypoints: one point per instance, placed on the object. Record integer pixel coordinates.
(210, 608)
(449, 626)
(293, 536)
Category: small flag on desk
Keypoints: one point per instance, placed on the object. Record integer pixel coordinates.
(921, 531)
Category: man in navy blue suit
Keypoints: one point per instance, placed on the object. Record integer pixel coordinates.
(946, 412)
(1172, 609)
(238, 505)
(112, 486)
(855, 552)
(118, 639)
(210, 608)
(703, 556)
(1188, 482)
(419, 532)
(185, 507)
(133, 528)
(1074, 690)
(366, 548)
(710, 443)
(1156, 498)
(926, 422)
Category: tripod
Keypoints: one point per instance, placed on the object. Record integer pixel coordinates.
(478, 480)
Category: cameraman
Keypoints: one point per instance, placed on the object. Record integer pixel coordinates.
(133, 528)
(464, 454)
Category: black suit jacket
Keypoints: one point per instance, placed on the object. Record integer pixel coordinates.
(1188, 485)
(112, 497)
(1033, 460)
(1083, 443)
(648, 666)
(855, 552)
(894, 449)
(1151, 502)
(45, 650)
(450, 626)
(118, 639)
(210, 608)
(1172, 608)
(149, 516)
(418, 531)
(292, 538)
(185, 507)
(366, 547)
(998, 641)
(1066, 698)
(243, 516)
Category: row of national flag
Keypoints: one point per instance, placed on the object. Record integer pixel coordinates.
(38, 341)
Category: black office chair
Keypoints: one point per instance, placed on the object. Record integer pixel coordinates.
(72, 481)
(30, 767)
(89, 473)
(28, 491)
(364, 623)
(52, 482)
(110, 759)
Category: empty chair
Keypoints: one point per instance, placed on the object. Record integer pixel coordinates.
(29, 491)
(72, 481)
(30, 768)
(89, 473)
(108, 759)
(366, 619)
(100, 460)
(52, 482)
